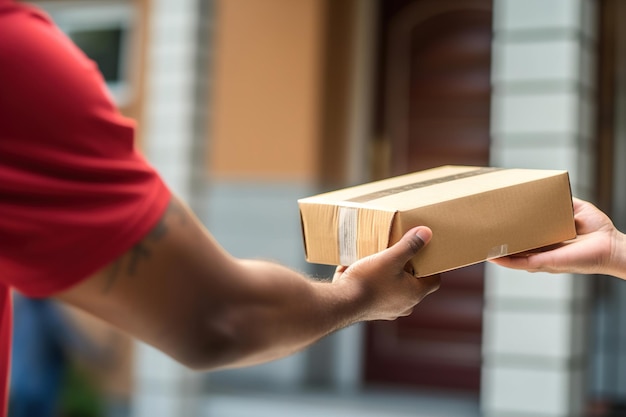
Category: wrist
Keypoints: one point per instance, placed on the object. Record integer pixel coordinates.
(617, 261)
(348, 299)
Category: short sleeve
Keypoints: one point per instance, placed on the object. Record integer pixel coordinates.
(74, 192)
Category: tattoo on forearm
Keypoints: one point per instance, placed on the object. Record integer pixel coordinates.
(139, 251)
(129, 263)
(111, 274)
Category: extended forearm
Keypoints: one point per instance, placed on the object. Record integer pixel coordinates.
(179, 291)
(279, 312)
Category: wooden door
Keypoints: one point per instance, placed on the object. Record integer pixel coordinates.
(435, 99)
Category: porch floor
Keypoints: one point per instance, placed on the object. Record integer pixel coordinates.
(370, 403)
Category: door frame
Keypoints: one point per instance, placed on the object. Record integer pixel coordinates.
(348, 345)
(398, 44)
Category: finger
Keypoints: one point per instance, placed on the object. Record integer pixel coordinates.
(536, 262)
(578, 203)
(339, 272)
(512, 262)
(340, 269)
(432, 283)
(580, 206)
(411, 243)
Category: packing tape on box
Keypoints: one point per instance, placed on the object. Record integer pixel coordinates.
(348, 219)
(421, 184)
(348, 216)
(498, 251)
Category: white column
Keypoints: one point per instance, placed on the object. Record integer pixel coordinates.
(535, 324)
(175, 103)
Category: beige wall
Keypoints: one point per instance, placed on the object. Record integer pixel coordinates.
(266, 89)
(138, 67)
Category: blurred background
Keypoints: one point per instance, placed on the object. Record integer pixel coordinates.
(244, 106)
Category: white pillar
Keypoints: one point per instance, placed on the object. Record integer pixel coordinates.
(535, 324)
(175, 103)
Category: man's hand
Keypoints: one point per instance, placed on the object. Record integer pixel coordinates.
(599, 248)
(389, 290)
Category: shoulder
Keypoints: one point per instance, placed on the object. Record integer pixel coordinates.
(23, 26)
(40, 66)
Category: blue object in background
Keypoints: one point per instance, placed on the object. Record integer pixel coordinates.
(43, 340)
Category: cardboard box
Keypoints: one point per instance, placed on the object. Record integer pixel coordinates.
(476, 213)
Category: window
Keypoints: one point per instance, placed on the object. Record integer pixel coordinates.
(102, 30)
(104, 47)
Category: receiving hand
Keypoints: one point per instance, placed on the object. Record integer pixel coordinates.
(598, 248)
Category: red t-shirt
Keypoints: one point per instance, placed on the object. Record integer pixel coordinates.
(74, 192)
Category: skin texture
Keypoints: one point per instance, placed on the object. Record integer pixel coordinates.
(599, 248)
(179, 291)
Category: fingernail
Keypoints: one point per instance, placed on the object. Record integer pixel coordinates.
(422, 235)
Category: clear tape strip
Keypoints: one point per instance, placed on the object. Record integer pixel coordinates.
(498, 251)
(348, 217)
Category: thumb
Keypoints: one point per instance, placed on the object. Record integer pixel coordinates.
(411, 243)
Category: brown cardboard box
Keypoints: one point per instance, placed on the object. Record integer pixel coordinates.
(476, 213)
